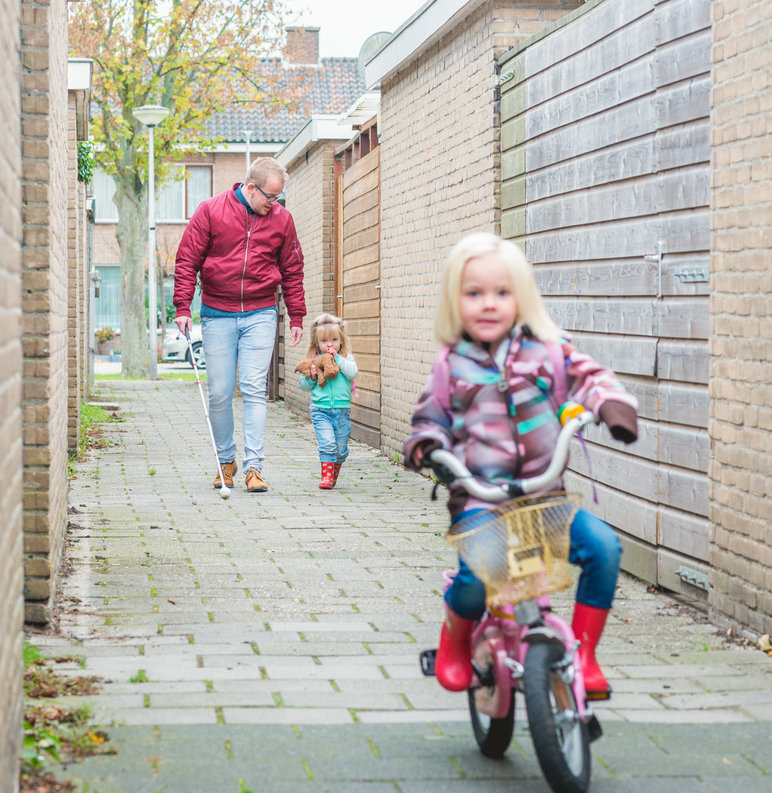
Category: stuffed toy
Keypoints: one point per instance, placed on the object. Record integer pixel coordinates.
(326, 368)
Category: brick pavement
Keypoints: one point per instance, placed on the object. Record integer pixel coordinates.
(269, 642)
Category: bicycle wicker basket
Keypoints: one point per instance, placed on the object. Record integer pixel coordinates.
(519, 549)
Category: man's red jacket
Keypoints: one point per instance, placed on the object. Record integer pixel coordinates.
(241, 258)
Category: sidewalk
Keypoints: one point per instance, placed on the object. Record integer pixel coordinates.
(278, 634)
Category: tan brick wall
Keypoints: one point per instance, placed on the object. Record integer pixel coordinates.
(310, 199)
(440, 158)
(76, 310)
(11, 580)
(44, 285)
(741, 307)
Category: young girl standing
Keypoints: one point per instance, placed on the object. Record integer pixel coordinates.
(491, 401)
(331, 405)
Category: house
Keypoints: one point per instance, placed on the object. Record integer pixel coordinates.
(326, 86)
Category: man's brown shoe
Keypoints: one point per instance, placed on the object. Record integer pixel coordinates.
(228, 470)
(255, 482)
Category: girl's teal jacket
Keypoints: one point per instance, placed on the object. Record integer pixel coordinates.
(337, 391)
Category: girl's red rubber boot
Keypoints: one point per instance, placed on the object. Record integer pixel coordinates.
(335, 472)
(588, 624)
(453, 662)
(326, 483)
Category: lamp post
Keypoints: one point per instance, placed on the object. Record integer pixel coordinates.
(151, 116)
(248, 136)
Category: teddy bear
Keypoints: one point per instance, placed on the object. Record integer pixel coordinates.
(326, 368)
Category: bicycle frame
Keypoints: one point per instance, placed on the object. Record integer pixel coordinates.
(509, 642)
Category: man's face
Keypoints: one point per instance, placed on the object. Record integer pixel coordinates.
(262, 205)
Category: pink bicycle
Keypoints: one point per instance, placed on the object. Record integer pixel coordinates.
(520, 550)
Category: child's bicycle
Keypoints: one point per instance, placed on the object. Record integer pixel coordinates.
(519, 550)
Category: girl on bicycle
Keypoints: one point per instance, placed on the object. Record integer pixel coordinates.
(331, 404)
(491, 401)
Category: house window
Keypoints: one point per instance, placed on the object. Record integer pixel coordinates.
(107, 307)
(175, 201)
(187, 187)
(105, 210)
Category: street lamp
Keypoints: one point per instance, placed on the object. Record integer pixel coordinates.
(151, 116)
(248, 136)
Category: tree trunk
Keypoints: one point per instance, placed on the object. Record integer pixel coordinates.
(131, 232)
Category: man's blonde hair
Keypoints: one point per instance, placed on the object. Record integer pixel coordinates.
(531, 310)
(263, 167)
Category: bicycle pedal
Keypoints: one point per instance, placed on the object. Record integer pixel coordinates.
(427, 662)
(594, 730)
(598, 696)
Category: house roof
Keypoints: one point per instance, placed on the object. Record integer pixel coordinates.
(327, 88)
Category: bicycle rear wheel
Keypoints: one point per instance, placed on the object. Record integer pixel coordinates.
(559, 736)
(493, 736)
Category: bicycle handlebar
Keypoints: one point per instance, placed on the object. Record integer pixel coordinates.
(487, 491)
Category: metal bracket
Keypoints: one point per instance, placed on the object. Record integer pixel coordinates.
(692, 577)
(656, 257)
(692, 275)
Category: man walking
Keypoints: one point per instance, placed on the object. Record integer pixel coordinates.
(242, 245)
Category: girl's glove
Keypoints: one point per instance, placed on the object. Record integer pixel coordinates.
(421, 452)
(621, 419)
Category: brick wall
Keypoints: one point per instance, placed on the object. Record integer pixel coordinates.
(310, 199)
(44, 288)
(302, 45)
(77, 296)
(740, 307)
(11, 581)
(440, 158)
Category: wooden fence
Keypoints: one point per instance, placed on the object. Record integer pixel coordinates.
(605, 179)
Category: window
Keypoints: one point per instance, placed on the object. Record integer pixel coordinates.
(188, 186)
(104, 192)
(107, 307)
(176, 201)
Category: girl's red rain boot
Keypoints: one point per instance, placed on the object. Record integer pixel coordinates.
(453, 662)
(326, 483)
(588, 624)
(335, 472)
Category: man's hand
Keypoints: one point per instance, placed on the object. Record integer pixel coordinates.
(182, 323)
(296, 335)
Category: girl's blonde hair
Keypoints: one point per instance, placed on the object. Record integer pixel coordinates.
(531, 310)
(325, 324)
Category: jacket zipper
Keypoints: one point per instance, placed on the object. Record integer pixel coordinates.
(246, 253)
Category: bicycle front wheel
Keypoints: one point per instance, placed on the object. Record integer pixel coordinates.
(559, 736)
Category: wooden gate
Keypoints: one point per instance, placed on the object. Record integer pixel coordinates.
(358, 276)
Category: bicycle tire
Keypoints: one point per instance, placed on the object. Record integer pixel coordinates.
(560, 738)
(493, 736)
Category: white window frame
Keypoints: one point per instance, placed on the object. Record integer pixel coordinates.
(182, 184)
(104, 183)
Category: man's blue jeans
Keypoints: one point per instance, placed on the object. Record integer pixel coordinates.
(244, 344)
(333, 428)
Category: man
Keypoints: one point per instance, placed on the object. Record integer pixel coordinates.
(242, 245)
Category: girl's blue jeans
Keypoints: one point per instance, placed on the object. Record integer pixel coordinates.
(594, 547)
(244, 344)
(333, 428)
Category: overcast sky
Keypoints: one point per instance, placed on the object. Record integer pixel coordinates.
(345, 24)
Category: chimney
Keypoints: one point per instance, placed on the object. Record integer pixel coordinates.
(302, 46)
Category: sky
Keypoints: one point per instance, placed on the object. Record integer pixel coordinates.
(345, 24)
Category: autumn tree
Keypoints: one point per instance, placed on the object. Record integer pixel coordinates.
(194, 57)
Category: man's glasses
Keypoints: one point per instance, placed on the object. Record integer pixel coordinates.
(268, 197)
